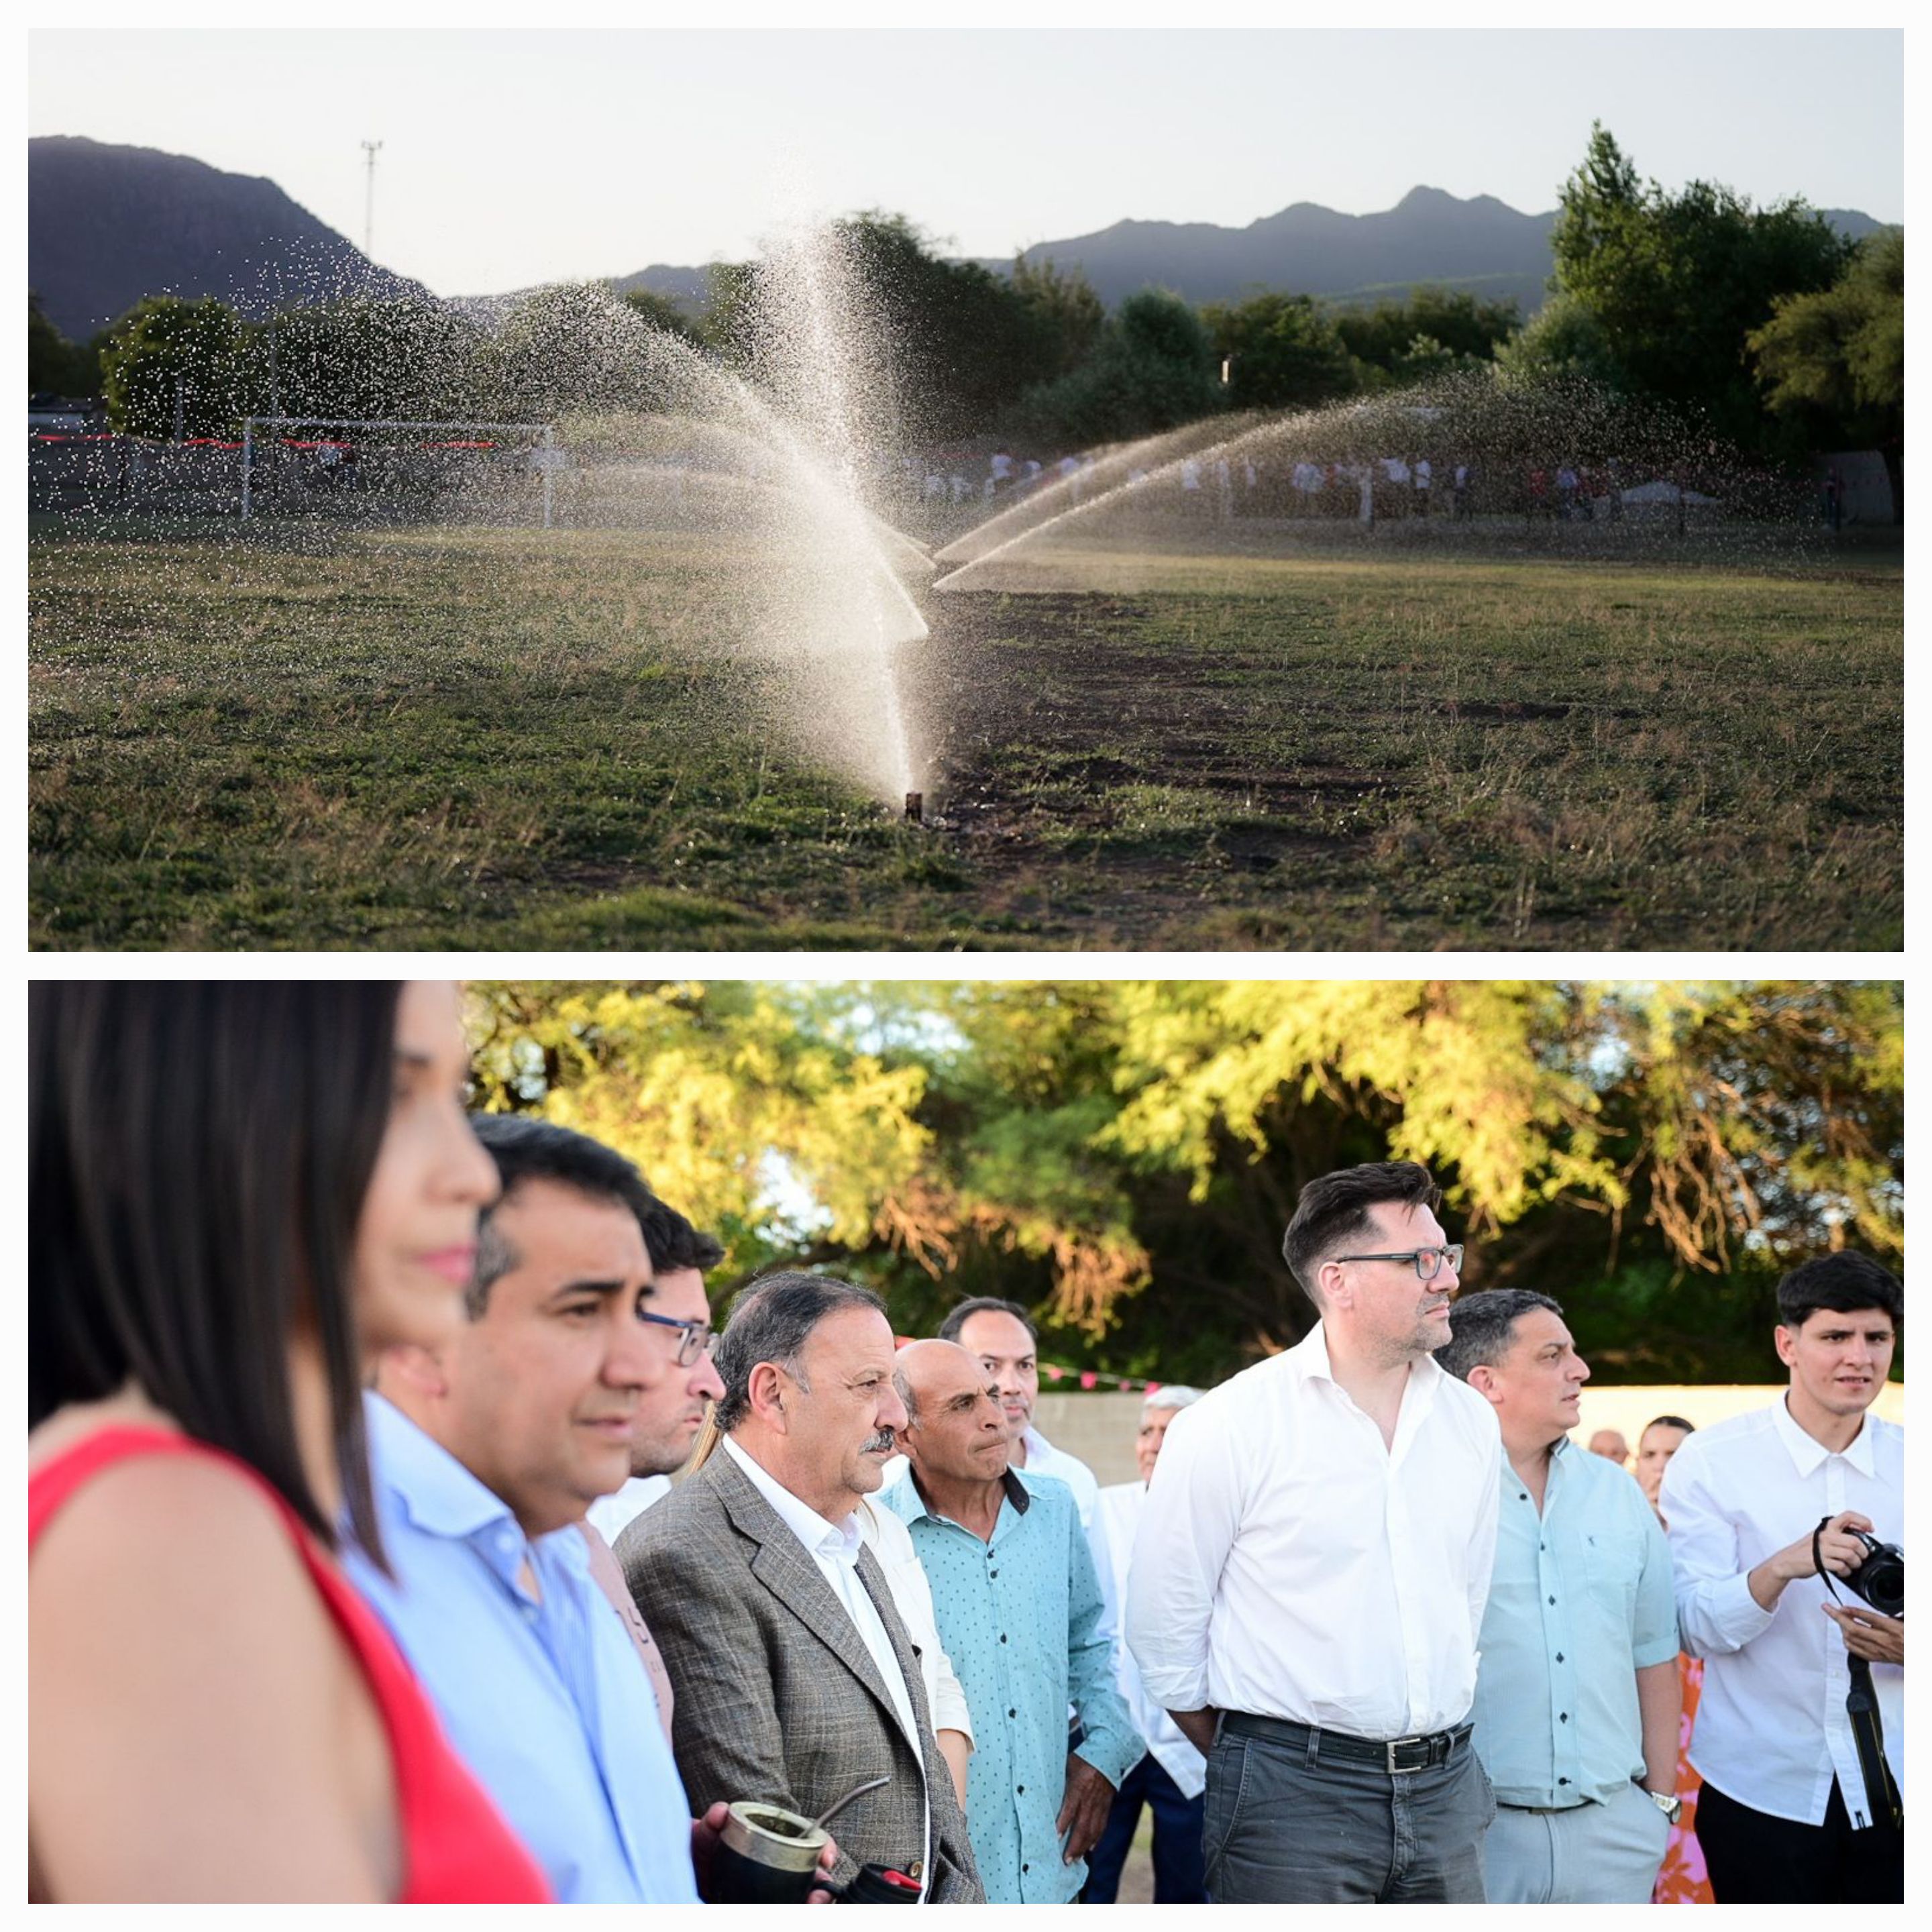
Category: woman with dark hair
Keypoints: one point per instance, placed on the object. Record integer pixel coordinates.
(238, 1192)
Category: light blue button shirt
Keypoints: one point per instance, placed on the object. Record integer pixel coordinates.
(1022, 1620)
(541, 1695)
(1581, 1599)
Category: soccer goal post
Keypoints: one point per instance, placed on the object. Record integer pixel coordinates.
(545, 457)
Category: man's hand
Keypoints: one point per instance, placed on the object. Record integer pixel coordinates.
(1841, 1551)
(1198, 1727)
(705, 1833)
(1877, 1639)
(1083, 1809)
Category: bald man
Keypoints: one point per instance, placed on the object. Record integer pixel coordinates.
(1021, 1614)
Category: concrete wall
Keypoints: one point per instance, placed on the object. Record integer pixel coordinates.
(1099, 1428)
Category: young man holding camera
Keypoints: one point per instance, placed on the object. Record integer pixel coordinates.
(1760, 1508)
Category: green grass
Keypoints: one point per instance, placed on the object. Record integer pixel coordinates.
(445, 739)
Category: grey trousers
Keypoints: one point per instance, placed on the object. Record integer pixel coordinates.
(1285, 1825)
(1597, 1854)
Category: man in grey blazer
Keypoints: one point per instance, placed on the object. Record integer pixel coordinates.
(794, 1676)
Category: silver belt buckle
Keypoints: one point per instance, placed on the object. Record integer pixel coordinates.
(1389, 1751)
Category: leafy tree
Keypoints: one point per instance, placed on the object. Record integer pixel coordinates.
(1066, 313)
(54, 365)
(368, 361)
(165, 348)
(1677, 282)
(1465, 327)
(1563, 341)
(1283, 351)
(661, 312)
(1153, 369)
(1124, 1157)
(1836, 358)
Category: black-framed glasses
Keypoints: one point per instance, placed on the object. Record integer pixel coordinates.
(1428, 1261)
(693, 1338)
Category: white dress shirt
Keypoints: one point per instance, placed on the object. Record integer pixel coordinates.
(610, 1516)
(891, 1542)
(1120, 1510)
(1289, 1564)
(1771, 1730)
(834, 1547)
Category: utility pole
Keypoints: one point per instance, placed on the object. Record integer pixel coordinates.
(369, 201)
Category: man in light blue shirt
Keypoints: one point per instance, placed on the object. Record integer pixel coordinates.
(1020, 1612)
(1577, 1693)
(485, 1454)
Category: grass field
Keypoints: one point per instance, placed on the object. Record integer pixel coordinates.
(506, 738)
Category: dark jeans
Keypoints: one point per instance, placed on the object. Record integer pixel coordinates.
(1756, 1859)
(1285, 1824)
(1176, 1840)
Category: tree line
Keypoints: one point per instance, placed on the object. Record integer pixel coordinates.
(1124, 1157)
(1782, 336)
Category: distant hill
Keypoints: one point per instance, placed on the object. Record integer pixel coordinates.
(1480, 245)
(107, 225)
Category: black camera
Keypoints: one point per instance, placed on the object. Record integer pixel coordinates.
(1880, 1578)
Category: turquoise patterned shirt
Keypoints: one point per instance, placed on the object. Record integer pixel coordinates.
(1021, 1617)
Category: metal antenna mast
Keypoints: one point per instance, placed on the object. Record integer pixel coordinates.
(369, 203)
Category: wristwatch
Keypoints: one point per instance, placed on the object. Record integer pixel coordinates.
(1670, 1804)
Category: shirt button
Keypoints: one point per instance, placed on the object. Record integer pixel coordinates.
(1019, 1790)
(1026, 1868)
(1003, 1635)
(992, 1573)
(1563, 1781)
(1559, 1657)
(1563, 1717)
(1552, 1600)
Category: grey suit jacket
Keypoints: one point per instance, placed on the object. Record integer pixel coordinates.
(778, 1699)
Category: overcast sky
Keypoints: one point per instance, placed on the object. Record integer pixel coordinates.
(510, 158)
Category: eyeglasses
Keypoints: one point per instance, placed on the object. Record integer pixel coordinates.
(1428, 1261)
(693, 1338)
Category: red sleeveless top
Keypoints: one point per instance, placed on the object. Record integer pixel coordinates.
(456, 1849)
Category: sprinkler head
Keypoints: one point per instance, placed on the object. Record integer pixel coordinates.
(915, 807)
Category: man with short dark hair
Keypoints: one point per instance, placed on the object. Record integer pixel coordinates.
(680, 1258)
(1764, 1511)
(796, 1679)
(1577, 1696)
(1019, 1608)
(486, 1454)
(1311, 1570)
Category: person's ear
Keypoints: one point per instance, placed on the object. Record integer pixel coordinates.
(1786, 1341)
(1483, 1380)
(765, 1393)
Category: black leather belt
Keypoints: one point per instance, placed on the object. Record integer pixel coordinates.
(1394, 1755)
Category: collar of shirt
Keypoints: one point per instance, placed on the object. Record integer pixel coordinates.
(905, 1501)
(1807, 1453)
(1310, 1362)
(442, 1498)
(839, 1541)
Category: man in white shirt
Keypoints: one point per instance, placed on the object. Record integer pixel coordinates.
(795, 1675)
(1757, 1507)
(1169, 1780)
(1311, 1570)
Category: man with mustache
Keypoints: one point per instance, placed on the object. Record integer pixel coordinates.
(795, 1680)
(1311, 1568)
(486, 1454)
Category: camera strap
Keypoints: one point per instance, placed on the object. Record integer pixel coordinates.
(1882, 1796)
